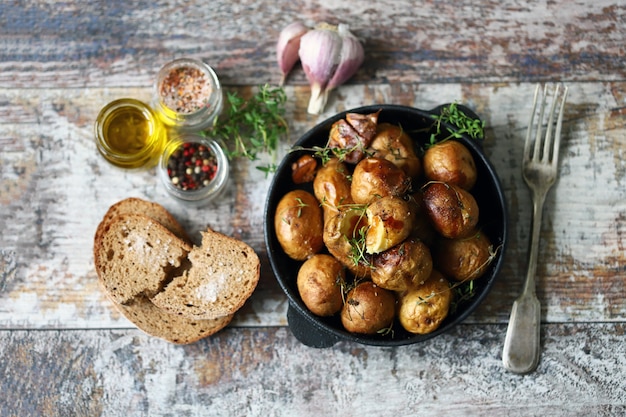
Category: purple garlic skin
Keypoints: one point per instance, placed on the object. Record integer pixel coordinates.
(287, 47)
(330, 55)
(351, 59)
(319, 54)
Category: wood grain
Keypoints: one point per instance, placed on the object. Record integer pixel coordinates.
(56, 188)
(113, 44)
(65, 351)
(266, 372)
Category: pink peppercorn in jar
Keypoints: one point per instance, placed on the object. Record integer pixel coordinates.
(187, 95)
(194, 169)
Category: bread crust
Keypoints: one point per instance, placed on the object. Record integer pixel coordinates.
(134, 205)
(148, 268)
(173, 328)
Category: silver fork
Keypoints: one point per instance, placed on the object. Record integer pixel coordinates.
(541, 155)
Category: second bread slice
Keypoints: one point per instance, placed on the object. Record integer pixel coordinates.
(173, 328)
(224, 272)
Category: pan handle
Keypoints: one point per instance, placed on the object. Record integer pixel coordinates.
(307, 332)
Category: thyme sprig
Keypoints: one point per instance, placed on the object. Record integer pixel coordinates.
(465, 125)
(464, 292)
(357, 239)
(253, 125)
(299, 205)
(358, 246)
(326, 153)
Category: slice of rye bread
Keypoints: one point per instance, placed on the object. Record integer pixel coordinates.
(134, 255)
(224, 273)
(173, 328)
(133, 205)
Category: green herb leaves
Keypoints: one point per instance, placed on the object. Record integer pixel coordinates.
(250, 126)
(465, 125)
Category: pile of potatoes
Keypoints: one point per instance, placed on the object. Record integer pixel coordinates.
(387, 230)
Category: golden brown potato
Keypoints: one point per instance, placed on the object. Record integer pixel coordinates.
(368, 309)
(298, 224)
(394, 144)
(422, 309)
(319, 283)
(375, 177)
(450, 162)
(303, 170)
(405, 266)
(464, 259)
(390, 221)
(452, 210)
(331, 187)
(344, 237)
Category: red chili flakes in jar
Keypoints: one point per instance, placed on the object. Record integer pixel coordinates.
(185, 89)
(192, 166)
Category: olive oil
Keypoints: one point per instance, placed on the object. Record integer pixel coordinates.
(128, 134)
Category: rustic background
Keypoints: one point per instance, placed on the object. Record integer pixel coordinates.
(65, 351)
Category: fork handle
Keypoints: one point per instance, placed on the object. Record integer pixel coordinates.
(522, 343)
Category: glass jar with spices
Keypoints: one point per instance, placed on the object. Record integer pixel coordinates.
(194, 169)
(187, 95)
(128, 133)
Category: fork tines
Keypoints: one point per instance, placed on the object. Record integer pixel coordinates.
(537, 148)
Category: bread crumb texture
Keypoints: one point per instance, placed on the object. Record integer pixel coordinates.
(164, 285)
(223, 275)
(210, 290)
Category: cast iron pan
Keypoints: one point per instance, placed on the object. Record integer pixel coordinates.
(321, 332)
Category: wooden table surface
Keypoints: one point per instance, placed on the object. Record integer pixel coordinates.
(64, 351)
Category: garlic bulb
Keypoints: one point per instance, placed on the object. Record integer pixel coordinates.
(330, 55)
(352, 56)
(287, 47)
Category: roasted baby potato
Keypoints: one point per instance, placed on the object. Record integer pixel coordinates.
(319, 283)
(368, 309)
(403, 267)
(331, 186)
(452, 210)
(395, 145)
(422, 309)
(365, 125)
(344, 236)
(376, 177)
(345, 141)
(450, 162)
(299, 225)
(303, 170)
(464, 259)
(390, 221)
(350, 137)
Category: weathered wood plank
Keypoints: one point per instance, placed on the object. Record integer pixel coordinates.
(60, 62)
(116, 43)
(55, 189)
(267, 372)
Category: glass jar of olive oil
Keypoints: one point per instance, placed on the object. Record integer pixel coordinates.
(129, 134)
